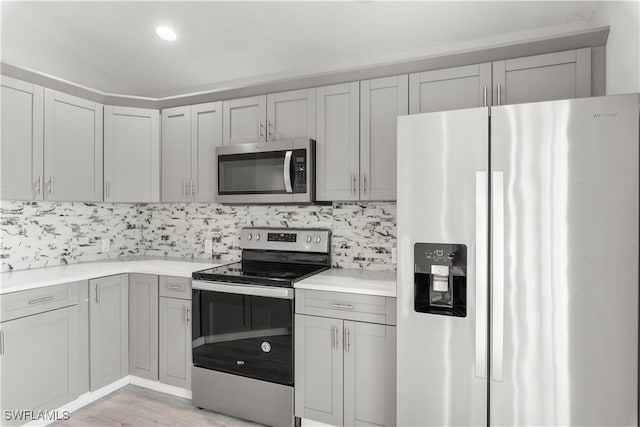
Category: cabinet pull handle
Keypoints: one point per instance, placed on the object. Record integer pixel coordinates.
(38, 185)
(50, 185)
(499, 94)
(97, 294)
(1, 342)
(485, 96)
(174, 287)
(364, 184)
(342, 306)
(41, 300)
(353, 184)
(184, 189)
(261, 130)
(270, 130)
(193, 189)
(188, 315)
(335, 337)
(348, 340)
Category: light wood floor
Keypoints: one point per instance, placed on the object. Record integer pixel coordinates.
(137, 406)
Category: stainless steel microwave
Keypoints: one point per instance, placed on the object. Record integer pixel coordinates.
(267, 172)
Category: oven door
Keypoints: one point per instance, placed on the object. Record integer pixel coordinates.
(244, 330)
(273, 172)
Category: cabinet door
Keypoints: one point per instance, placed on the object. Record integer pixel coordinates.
(318, 369)
(337, 147)
(245, 120)
(21, 142)
(108, 324)
(38, 359)
(206, 135)
(176, 153)
(291, 115)
(559, 75)
(175, 342)
(450, 89)
(369, 374)
(131, 154)
(381, 102)
(143, 325)
(72, 148)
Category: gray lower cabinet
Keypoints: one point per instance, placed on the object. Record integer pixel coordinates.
(109, 330)
(344, 369)
(143, 325)
(319, 369)
(38, 349)
(175, 342)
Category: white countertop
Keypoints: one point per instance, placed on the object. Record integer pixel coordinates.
(47, 276)
(366, 282)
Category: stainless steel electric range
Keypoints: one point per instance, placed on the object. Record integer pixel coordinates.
(243, 324)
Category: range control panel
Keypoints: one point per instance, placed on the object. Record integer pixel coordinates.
(286, 239)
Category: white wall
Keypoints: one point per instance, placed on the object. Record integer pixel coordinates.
(623, 44)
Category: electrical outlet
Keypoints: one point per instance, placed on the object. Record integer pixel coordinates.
(393, 256)
(106, 245)
(208, 246)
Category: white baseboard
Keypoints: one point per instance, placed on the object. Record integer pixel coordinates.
(92, 396)
(158, 386)
(311, 423)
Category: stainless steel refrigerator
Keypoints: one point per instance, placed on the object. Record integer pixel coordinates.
(518, 265)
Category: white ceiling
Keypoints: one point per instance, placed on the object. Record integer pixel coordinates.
(112, 46)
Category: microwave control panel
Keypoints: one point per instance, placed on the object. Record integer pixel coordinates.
(299, 171)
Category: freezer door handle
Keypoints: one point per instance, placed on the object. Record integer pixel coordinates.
(481, 276)
(497, 275)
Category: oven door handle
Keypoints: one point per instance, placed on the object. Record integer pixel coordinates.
(232, 288)
(287, 171)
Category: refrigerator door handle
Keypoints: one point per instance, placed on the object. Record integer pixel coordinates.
(497, 274)
(481, 277)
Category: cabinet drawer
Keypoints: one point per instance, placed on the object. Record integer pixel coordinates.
(175, 287)
(34, 301)
(364, 308)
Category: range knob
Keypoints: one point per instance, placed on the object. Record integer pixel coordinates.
(257, 236)
(249, 236)
(308, 239)
(318, 239)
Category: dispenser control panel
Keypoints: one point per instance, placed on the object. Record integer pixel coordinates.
(440, 279)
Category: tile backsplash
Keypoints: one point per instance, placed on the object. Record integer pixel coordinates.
(38, 234)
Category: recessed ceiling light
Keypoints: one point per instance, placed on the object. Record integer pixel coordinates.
(166, 33)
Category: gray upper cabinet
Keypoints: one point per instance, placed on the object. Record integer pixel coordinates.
(72, 148)
(189, 137)
(206, 135)
(109, 329)
(381, 102)
(176, 153)
(338, 148)
(450, 89)
(369, 374)
(21, 142)
(291, 115)
(131, 154)
(175, 342)
(143, 325)
(245, 120)
(547, 77)
(319, 369)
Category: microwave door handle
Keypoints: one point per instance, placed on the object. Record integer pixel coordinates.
(287, 172)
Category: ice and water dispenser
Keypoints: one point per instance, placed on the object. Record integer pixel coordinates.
(440, 279)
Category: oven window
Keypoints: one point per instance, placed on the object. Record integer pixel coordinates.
(252, 173)
(243, 335)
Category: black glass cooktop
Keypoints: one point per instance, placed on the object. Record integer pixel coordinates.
(262, 273)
